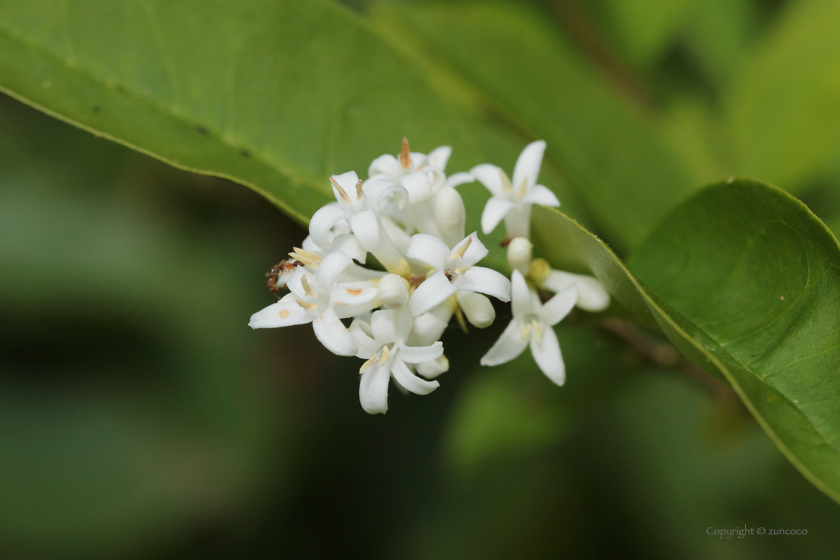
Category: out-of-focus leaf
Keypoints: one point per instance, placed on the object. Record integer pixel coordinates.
(521, 67)
(644, 28)
(717, 33)
(274, 94)
(743, 279)
(128, 410)
(785, 106)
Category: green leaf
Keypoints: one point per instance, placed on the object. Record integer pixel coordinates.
(521, 69)
(273, 94)
(743, 279)
(784, 106)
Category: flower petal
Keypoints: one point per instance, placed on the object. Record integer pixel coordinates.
(510, 345)
(280, 314)
(541, 195)
(432, 369)
(474, 253)
(347, 181)
(411, 382)
(557, 307)
(355, 298)
(331, 268)
(546, 351)
(494, 211)
(383, 325)
(420, 354)
(378, 189)
(591, 294)
(440, 156)
(522, 301)
(332, 333)
(418, 187)
(362, 336)
(491, 177)
(350, 246)
(428, 250)
(485, 281)
(385, 164)
(459, 179)
(528, 166)
(432, 292)
(373, 389)
(365, 226)
(322, 222)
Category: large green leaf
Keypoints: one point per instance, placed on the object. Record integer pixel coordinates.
(274, 94)
(785, 105)
(522, 69)
(745, 281)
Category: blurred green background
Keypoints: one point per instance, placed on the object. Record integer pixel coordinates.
(141, 418)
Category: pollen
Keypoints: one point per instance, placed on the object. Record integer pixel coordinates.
(307, 288)
(462, 249)
(405, 154)
(355, 292)
(506, 182)
(284, 313)
(340, 191)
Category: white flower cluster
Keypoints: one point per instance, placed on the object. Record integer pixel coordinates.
(409, 216)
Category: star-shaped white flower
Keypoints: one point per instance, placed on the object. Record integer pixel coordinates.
(452, 272)
(359, 207)
(319, 298)
(512, 201)
(423, 177)
(532, 324)
(382, 342)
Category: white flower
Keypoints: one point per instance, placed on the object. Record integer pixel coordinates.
(513, 201)
(423, 178)
(382, 342)
(359, 208)
(452, 272)
(532, 323)
(591, 294)
(320, 299)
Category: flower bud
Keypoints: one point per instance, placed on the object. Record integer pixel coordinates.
(432, 369)
(393, 291)
(450, 215)
(519, 254)
(539, 270)
(477, 308)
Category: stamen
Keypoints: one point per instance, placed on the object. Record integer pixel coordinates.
(523, 188)
(462, 249)
(307, 288)
(355, 292)
(306, 305)
(526, 330)
(537, 330)
(368, 363)
(405, 155)
(359, 191)
(506, 182)
(307, 258)
(341, 192)
(385, 354)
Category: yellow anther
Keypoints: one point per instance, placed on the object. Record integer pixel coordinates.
(523, 188)
(359, 191)
(537, 330)
(307, 288)
(306, 305)
(385, 354)
(307, 258)
(368, 363)
(506, 182)
(340, 190)
(539, 270)
(405, 154)
(462, 249)
(526, 330)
